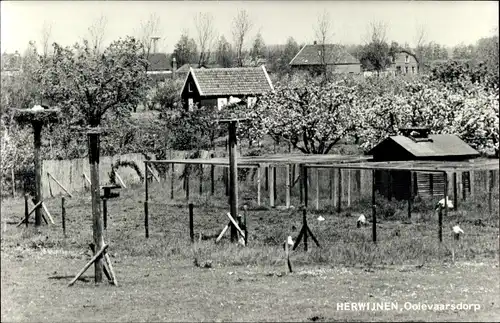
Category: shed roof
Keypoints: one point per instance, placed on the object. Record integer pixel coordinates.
(440, 146)
(231, 81)
(335, 55)
(158, 62)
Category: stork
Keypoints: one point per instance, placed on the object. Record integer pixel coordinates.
(361, 221)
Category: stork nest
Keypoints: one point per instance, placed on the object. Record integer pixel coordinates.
(29, 116)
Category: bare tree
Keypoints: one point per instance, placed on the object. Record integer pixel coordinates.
(377, 33)
(376, 52)
(97, 32)
(149, 30)
(46, 35)
(420, 42)
(205, 35)
(324, 34)
(241, 27)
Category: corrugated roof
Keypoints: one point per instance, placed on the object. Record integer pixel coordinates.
(335, 55)
(442, 145)
(232, 81)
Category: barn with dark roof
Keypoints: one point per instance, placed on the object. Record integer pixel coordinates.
(218, 87)
(335, 57)
(418, 144)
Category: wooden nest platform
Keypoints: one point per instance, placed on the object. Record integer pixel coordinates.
(42, 116)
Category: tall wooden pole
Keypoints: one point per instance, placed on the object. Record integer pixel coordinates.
(374, 210)
(172, 180)
(37, 129)
(146, 199)
(455, 189)
(26, 211)
(191, 225)
(93, 142)
(440, 215)
(271, 186)
(287, 184)
(63, 216)
(13, 177)
(304, 185)
(233, 177)
(258, 185)
(339, 203)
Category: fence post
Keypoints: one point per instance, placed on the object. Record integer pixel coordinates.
(186, 172)
(105, 212)
(201, 180)
(317, 188)
(339, 203)
(26, 211)
(146, 198)
(191, 225)
(274, 184)
(304, 184)
(212, 180)
(172, 180)
(490, 189)
(374, 210)
(245, 222)
(258, 185)
(287, 184)
(455, 193)
(271, 187)
(13, 182)
(63, 216)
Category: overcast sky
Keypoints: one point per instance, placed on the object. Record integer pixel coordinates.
(447, 22)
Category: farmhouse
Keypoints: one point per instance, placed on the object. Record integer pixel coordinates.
(418, 144)
(404, 62)
(217, 87)
(335, 57)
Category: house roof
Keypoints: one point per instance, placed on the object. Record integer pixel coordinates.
(184, 68)
(158, 62)
(440, 145)
(231, 81)
(335, 55)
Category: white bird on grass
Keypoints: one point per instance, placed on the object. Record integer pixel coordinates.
(320, 218)
(288, 241)
(361, 221)
(442, 202)
(457, 231)
(37, 108)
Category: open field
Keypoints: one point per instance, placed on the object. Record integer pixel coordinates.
(159, 282)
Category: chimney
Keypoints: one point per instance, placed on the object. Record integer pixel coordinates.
(154, 40)
(315, 42)
(174, 67)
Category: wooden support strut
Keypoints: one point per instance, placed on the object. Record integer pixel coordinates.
(60, 185)
(91, 261)
(304, 232)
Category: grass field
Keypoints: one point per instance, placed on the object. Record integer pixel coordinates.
(158, 280)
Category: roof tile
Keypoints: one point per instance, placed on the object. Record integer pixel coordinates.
(335, 54)
(232, 81)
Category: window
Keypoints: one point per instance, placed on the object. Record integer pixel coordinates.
(413, 69)
(406, 69)
(398, 69)
(221, 102)
(251, 101)
(190, 104)
(407, 59)
(190, 89)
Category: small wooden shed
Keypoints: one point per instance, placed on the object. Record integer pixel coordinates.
(418, 144)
